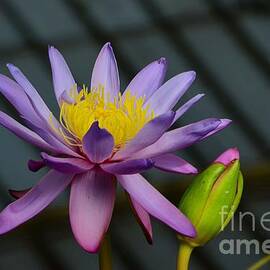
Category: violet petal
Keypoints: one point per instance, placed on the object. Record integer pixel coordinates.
(62, 76)
(149, 134)
(97, 143)
(173, 163)
(143, 219)
(91, 205)
(34, 201)
(24, 133)
(156, 204)
(180, 138)
(128, 166)
(105, 72)
(185, 107)
(148, 80)
(67, 165)
(166, 97)
(15, 94)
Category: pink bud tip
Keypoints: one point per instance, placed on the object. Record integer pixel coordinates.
(228, 156)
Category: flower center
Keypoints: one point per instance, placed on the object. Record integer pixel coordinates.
(123, 117)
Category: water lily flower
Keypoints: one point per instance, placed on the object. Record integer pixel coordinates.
(103, 138)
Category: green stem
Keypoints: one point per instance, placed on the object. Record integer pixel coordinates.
(260, 263)
(105, 258)
(184, 253)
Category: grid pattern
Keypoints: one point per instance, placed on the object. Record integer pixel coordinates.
(225, 42)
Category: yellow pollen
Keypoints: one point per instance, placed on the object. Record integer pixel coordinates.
(123, 117)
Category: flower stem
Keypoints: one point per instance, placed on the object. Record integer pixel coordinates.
(184, 253)
(105, 258)
(260, 263)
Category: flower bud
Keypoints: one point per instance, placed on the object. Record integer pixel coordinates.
(213, 196)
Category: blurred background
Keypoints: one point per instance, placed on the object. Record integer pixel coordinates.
(225, 41)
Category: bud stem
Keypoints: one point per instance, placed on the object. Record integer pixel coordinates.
(260, 263)
(105, 258)
(184, 253)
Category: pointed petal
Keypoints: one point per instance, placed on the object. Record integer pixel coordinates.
(156, 204)
(29, 89)
(62, 76)
(173, 163)
(97, 143)
(46, 123)
(34, 201)
(166, 97)
(105, 72)
(149, 134)
(223, 124)
(179, 138)
(28, 102)
(143, 219)
(37, 102)
(23, 132)
(128, 166)
(91, 205)
(184, 108)
(67, 165)
(148, 80)
(15, 94)
(35, 165)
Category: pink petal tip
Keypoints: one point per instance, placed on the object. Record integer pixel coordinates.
(228, 156)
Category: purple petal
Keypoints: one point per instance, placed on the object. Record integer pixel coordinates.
(29, 89)
(156, 204)
(17, 194)
(91, 205)
(228, 156)
(166, 97)
(186, 107)
(173, 163)
(223, 124)
(67, 165)
(143, 219)
(97, 143)
(105, 72)
(34, 201)
(15, 94)
(60, 147)
(149, 134)
(128, 166)
(149, 79)
(23, 132)
(179, 138)
(35, 165)
(62, 77)
(37, 102)
(40, 108)
(45, 128)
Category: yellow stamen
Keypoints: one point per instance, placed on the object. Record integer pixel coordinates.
(123, 117)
